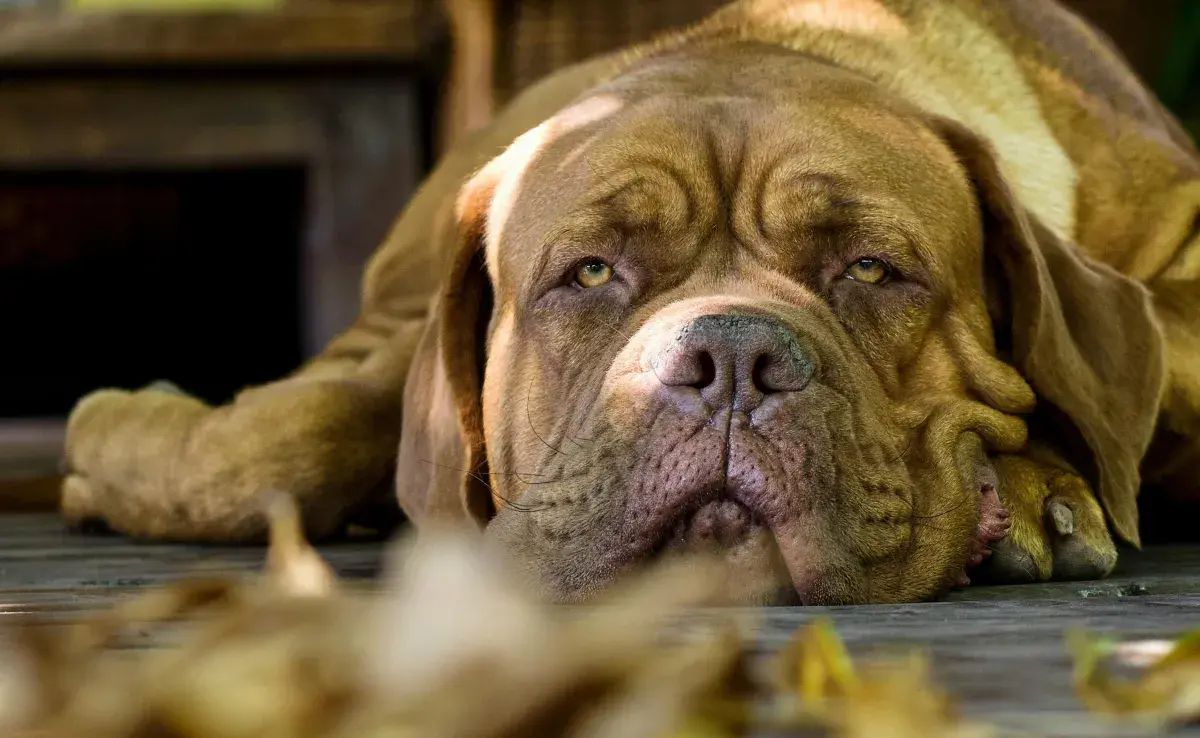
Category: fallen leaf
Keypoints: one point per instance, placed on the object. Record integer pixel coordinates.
(450, 646)
(293, 565)
(886, 696)
(1165, 692)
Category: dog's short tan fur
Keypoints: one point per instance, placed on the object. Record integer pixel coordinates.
(1050, 199)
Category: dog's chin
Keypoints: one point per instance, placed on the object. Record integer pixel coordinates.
(730, 531)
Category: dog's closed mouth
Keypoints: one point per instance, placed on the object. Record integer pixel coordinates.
(718, 522)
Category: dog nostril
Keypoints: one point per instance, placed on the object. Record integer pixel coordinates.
(758, 375)
(706, 369)
(770, 374)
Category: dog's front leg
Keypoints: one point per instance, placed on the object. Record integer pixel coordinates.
(156, 463)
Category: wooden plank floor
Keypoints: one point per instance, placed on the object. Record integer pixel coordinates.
(999, 649)
(44, 568)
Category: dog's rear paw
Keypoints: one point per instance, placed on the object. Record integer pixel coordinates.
(1058, 528)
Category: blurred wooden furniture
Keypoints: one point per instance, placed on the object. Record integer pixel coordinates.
(365, 31)
(469, 94)
(29, 453)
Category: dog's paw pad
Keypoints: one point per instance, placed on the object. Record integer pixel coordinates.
(1011, 564)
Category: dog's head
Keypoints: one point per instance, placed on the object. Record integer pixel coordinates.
(751, 303)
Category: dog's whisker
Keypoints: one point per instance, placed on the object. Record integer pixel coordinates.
(514, 504)
(556, 480)
(473, 474)
(538, 508)
(529, 420)
(587, 411)
(904, 454)
(476, 475)
(517, 474)
(953, 508)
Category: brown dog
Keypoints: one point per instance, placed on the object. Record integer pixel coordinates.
(807, 283)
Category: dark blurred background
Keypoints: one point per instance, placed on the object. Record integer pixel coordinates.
(190, 188)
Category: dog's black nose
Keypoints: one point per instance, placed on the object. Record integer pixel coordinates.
(734, 359)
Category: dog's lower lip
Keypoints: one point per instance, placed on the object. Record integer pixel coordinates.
(717, 521)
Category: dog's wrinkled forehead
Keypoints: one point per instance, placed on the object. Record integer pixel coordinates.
(497, 186)
(764, 170)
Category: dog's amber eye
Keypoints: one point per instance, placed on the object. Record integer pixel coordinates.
(871, 271)
(593, 273)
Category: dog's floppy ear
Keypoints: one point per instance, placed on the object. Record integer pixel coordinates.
(442, 466)
(1082, 335)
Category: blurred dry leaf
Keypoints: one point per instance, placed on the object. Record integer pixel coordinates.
(293, 564)
(1165, 692)
(816, 667)
(892, 697)
(451, 646)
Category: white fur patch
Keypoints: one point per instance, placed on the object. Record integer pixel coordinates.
(851, 16)
(956, 68)
(507, 170)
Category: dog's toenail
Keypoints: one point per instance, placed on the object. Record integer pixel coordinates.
(1062, 517)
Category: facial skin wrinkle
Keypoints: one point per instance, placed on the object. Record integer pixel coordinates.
(789, 481)
(532, 428)
(760, 195)
(831, 430)
(554, 471)
(838, 419)
(727, 182)
(561, 428)
(672, 173)
(901, 522)
(545, 252)
(933, 330)
(576, 420)
(563, 466)
(827, 192)
(583, 411)
(673, 451)
(660, 513)
(569, 420)
(644, 479)
(727, 443)
(583, 496)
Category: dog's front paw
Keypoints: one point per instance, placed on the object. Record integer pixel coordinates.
(1057, 529)
(120, 450)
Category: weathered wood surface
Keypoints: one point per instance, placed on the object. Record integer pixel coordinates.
(998, 649)
(46, 568)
